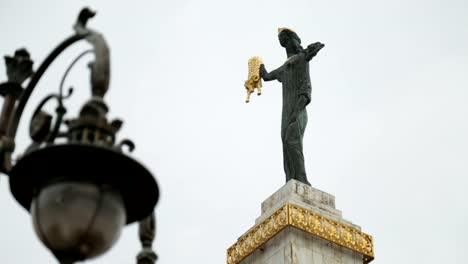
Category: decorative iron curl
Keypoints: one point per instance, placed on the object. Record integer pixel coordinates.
(37, 125)
(62, 82)
(61, 110)
(128, 143)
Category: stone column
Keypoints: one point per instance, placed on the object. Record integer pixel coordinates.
(300, 224)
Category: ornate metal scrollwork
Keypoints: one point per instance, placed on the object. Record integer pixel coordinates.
(92, 125)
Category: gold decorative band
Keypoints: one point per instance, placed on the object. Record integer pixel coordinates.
(314, 224)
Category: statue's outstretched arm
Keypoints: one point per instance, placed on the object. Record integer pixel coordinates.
(312, 50)
(269, 76)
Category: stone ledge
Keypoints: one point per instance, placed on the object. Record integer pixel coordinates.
(308, 193)
(298, 193)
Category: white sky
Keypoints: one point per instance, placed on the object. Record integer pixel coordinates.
(387, 132)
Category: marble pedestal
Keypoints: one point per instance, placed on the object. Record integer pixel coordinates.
(300, 224)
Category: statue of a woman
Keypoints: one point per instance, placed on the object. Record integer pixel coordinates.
(295, 78)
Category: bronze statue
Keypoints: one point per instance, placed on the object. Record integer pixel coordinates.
(295, 79)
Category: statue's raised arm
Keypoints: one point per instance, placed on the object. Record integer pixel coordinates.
(295, 78)
(312, 50)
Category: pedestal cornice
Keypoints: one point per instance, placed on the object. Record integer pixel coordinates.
(308, 221)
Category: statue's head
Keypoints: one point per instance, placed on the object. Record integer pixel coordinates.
(289, 39)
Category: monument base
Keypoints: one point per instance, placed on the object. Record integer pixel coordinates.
(300, 224)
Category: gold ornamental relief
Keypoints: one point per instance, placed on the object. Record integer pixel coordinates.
(334, 232)
(314, 224)
(257, 236)
(254, 80)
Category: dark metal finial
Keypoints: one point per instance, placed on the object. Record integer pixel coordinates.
(83, 17)
(19, 67)
(147, 231)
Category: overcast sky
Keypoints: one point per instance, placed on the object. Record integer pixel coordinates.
(387, 132)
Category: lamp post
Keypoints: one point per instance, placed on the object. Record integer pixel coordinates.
(75, 178)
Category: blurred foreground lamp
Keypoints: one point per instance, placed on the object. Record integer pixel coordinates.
(75, 179)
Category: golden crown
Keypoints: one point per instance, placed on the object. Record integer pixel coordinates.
(284, 28)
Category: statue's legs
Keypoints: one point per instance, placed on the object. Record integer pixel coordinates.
(293, 156)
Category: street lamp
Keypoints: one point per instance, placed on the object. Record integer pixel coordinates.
(75, 179)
